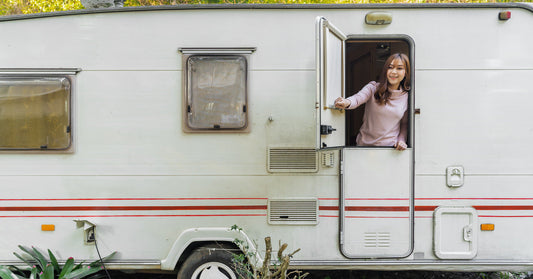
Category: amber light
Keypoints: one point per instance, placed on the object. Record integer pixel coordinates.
(487, 227)
(48, 228)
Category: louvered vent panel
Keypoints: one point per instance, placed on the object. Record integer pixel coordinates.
(300, 211)
(377, 239)
(292, 160)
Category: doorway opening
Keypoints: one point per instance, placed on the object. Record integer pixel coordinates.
(364, 61)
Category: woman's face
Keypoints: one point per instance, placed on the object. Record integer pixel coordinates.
(395, 73)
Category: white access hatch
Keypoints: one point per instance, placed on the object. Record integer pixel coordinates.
(456, 232)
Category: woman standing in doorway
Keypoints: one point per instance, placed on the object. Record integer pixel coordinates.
(385, 119)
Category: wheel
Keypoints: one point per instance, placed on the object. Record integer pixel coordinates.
(209, 262)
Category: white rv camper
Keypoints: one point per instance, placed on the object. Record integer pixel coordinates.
(154, 130)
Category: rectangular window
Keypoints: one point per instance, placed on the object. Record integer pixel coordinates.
(35, 113)
(216, 92)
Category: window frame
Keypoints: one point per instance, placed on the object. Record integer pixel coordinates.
(411, 111)
(187, 53)
(67, 73)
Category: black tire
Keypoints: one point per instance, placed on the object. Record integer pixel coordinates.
(213, 261)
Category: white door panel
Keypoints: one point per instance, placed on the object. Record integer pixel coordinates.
(330, 70)
(376, 203)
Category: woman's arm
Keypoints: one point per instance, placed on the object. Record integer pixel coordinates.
(357, 99)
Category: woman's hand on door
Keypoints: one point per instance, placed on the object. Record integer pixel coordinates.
(400, 145)
(342, 103)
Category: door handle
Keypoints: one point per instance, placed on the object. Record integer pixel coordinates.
(467, 233)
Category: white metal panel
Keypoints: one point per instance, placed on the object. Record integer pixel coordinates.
(478, 119)
(502, 200)
(376, 203)
(108, 38)
(150, 40)
(129, 122)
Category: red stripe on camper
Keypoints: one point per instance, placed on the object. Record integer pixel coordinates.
(134, 215)
(132, 199)
(137, 208)
(425, 208)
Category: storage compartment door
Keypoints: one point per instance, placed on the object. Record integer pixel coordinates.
(330, 46)
(456, 232)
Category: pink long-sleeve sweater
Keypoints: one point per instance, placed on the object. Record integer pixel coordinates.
(383, 125)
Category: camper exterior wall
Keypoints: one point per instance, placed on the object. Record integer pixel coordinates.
(144, 181)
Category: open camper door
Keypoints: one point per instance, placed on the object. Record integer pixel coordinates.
(330, 45)
(376, 203)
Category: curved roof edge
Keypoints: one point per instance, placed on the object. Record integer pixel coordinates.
(525, 6)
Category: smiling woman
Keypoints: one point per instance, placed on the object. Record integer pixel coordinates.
(385, 118)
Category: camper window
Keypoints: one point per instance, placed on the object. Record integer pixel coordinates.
(34, 113)
(216, 92)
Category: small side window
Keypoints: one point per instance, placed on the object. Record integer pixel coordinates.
(35, 113)
(216, 92)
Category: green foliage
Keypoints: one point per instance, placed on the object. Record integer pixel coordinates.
(43, 268)
(279, 270)
(11, 7)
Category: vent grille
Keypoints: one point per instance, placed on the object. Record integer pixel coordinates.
(377, 239)
(298, 212)
(292, 160)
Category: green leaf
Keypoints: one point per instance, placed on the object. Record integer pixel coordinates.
(82, 272)
(33, 274)
(17, 271)
(40, 257)
(53, 260)
(48, 273)
(30, 264)
(33, 255)
(67, 268)
(78, 266)
(5, 273)
(98, 263)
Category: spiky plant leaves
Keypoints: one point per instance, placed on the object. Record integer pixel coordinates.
(39, 257)
(5, 273)
(82, 272)
(16, 270)
(98, 263)
(67, 268)
(23, 259)
(33, 274)
(30, 252)
(54, 262)
(48, 272)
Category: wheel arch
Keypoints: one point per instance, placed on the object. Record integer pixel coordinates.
(191, 239)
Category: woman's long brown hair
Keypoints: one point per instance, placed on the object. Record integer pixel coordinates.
(382, 94)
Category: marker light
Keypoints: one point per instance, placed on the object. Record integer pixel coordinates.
(48, 228)
(378, 18)
(505, 15)
(487, 227)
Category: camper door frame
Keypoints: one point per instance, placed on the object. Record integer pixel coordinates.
(411, 145)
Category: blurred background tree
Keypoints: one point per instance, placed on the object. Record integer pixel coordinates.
(12, 7)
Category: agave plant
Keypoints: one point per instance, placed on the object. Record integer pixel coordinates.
(43, 268)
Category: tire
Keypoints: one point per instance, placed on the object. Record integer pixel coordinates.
(209, 262)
